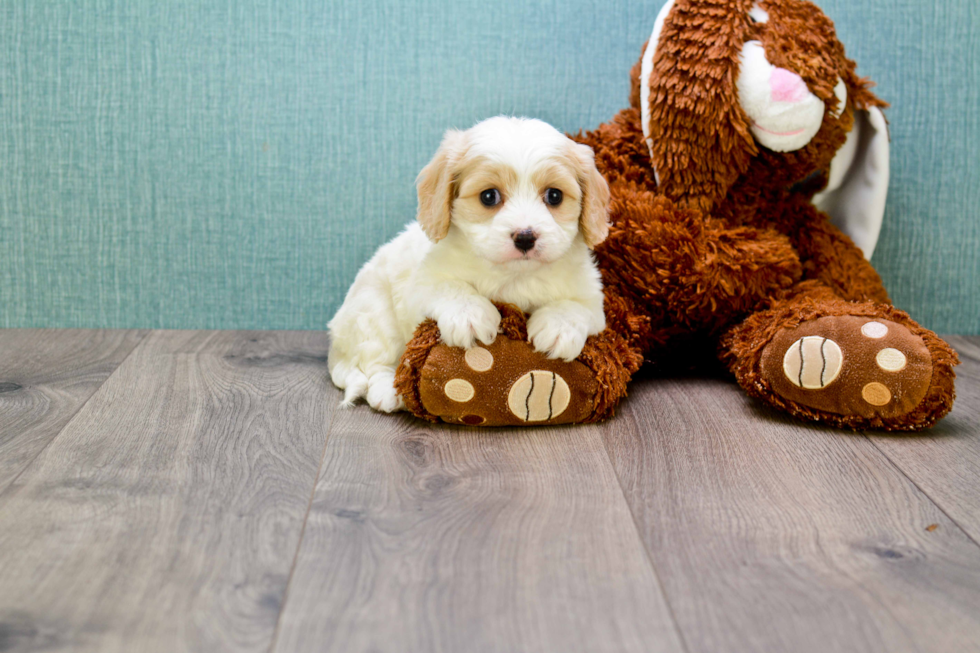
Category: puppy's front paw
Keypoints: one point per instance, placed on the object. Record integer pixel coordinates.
(381, 393)
(557, 333)
(461, 324)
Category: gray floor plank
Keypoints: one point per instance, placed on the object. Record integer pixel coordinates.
(167, 514)
(945, 461)
(45, 377)
(773, 535)
(433, 538)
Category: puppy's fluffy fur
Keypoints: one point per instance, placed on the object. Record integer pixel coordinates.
(461, 254)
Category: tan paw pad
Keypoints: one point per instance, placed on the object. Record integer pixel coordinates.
(875, 330)
(539, 396)
(891, 360)
(813, 362)
(479, 359)
(876, 394)
(459, 390)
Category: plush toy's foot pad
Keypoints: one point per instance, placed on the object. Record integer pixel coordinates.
(506, 383)
(848, 365)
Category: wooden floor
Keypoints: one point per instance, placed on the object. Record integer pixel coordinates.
(198, 491)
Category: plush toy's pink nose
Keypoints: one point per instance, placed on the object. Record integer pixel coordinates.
(787, 86)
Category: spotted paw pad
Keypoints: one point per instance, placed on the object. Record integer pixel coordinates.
(849, 365)
(504, 383)
(538, 396)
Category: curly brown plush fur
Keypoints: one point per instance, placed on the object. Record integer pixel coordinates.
(727, 252)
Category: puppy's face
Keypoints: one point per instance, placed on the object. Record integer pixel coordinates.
(516, 190)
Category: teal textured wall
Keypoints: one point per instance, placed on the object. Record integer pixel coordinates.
(231, 163)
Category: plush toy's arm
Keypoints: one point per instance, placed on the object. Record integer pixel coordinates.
(690, 272)
(827, 254)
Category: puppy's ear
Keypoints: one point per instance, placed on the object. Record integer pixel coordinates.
(437, 184)
(594, 220)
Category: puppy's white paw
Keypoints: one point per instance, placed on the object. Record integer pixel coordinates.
(462, 323)
(557, 333)
(381, 394)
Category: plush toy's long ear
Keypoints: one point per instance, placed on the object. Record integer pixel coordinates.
(858, 187)
(436, 186)
(594, 220)
(697, 133)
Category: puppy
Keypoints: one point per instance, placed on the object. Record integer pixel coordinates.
(508, 212)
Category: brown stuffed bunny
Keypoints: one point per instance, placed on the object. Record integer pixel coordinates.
(746, 116)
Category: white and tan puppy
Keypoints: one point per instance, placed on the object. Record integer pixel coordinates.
(508, 211)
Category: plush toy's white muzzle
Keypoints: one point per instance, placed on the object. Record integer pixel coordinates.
(785, 114)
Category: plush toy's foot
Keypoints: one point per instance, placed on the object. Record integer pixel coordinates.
(507, 383)
(858, 371)
(849, 365)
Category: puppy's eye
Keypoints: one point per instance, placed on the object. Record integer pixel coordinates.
(490, 197)
(553, 197)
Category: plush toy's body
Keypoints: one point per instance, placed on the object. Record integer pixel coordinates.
(717, 246)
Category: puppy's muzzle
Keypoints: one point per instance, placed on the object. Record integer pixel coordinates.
(524, 240)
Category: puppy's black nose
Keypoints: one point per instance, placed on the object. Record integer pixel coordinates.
(524, 240)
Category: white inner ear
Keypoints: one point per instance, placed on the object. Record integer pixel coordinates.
(841, 92)
(844, 158)
(759, 14)
(646, 71)
(858, 188)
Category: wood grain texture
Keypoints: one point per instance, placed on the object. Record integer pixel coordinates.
(774, 535)
(167, 514)
(45, 377)
(945, 461)
(435, 538)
